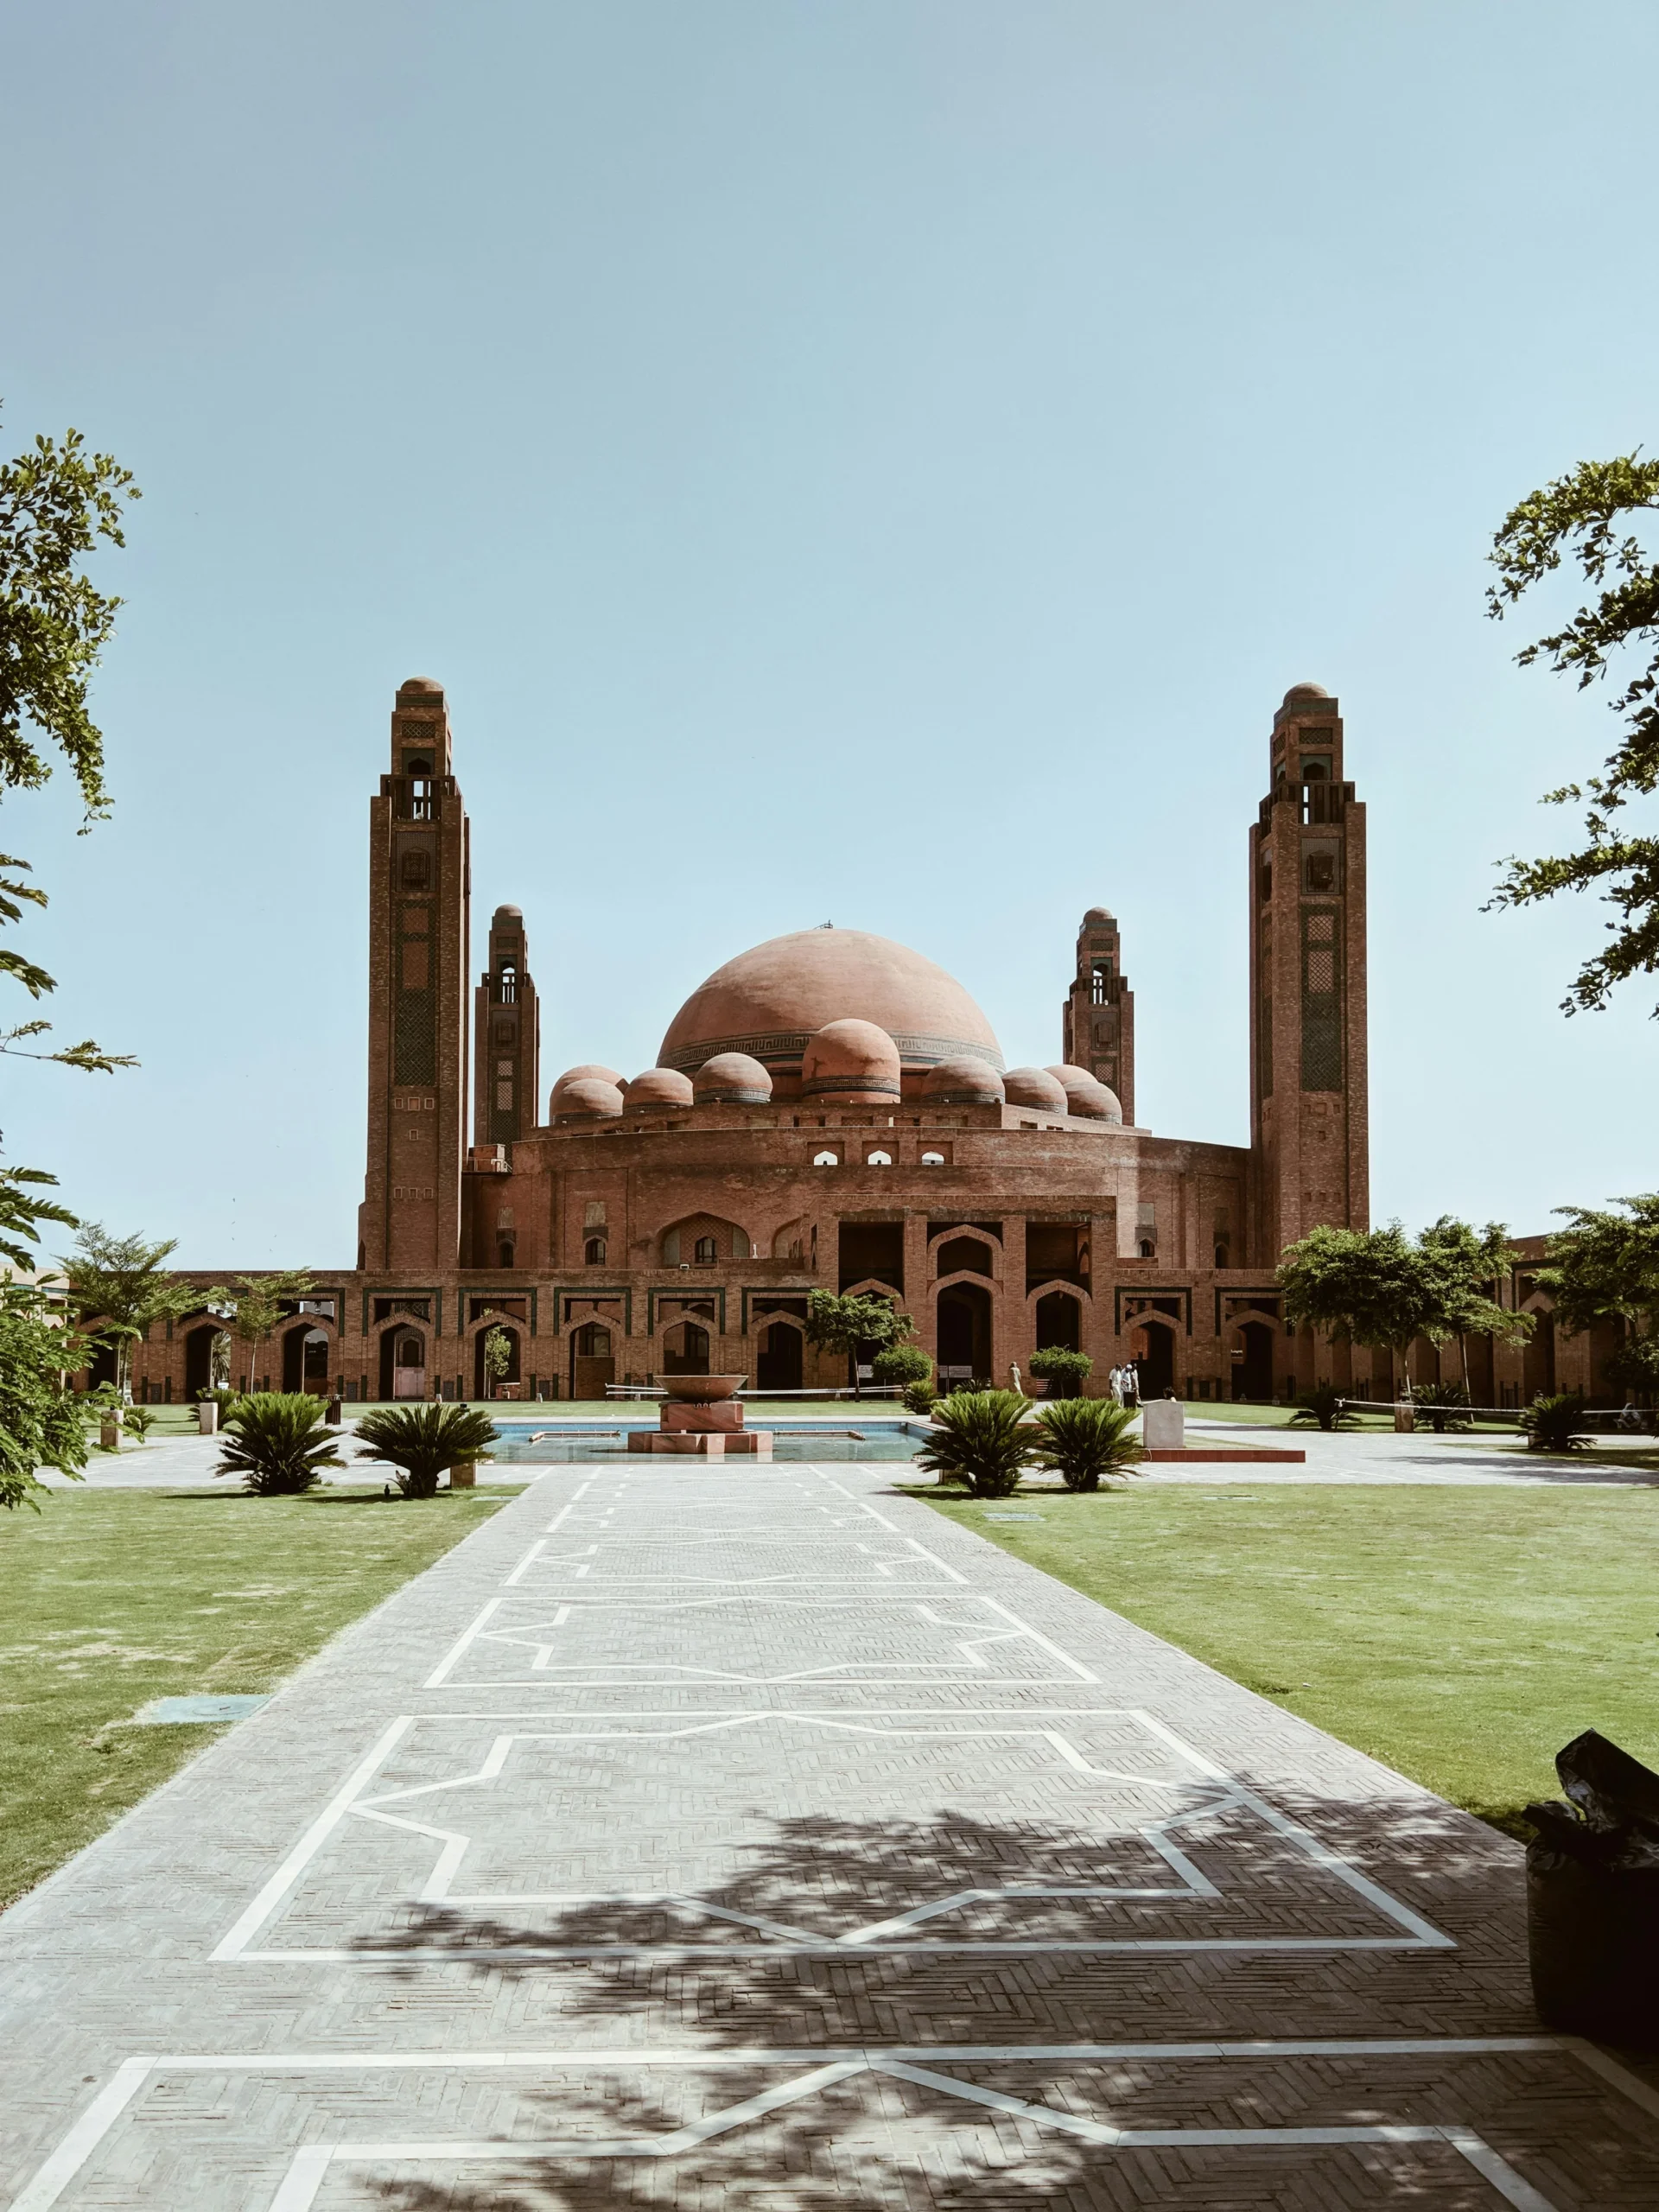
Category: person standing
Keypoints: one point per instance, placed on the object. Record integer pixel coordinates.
(1131, 1385)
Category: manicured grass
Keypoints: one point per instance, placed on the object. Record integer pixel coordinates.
(115, 1597)
(1461, 1636)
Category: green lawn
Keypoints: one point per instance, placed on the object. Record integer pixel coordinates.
(115, 1597)
(1461, 1636)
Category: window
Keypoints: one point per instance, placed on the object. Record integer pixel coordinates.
(878, 1160)
(705, 1252)
(1148, 1250)
(594, 1251)
(932, 1160)
(504, 1252)
(416, 872)
(1099, 981)
(506, 984)
(1319, 871)
(1220, 1255)
(826, 1159)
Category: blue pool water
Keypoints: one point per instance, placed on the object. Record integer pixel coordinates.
(559, 1443)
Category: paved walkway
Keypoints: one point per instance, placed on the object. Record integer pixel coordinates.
(759, 1839)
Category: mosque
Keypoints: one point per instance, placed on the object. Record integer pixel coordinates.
(829, 1110)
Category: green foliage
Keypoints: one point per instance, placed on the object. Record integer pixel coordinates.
(252, 1310)
(1082, 1439)
(1323, 1407)
(1604, 1267)
(850, 1322)
(41, 1424)
(902, 1364)
(422, 1441)
(1378, 1287)
(1445, 1404)
(139, 1420)
(276, 1441)
(1549, 1423)
(1578, 517)
(981, 1438)
(1065, 1371)
(919, 1397)
(22, 1214)
(119, 1282)
(498, 1354)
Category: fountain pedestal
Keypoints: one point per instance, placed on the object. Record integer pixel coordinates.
(701, 1415)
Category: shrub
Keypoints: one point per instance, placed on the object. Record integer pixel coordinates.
(1083, 1438)
(980, 1439)
(1064, 1372)
(422, 1442)
(1549, 1423)
(140, 1419)
(919, 1397)
(276, 1441)
(1323, 1406)
(1445, 1405)
(902, 1364)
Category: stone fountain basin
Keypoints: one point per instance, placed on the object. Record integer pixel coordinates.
(699, 1390)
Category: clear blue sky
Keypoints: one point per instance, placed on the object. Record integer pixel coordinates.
(865, 460)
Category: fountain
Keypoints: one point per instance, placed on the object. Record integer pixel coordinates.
(701, 1413)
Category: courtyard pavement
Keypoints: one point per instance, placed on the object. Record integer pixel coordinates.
(759, 1839)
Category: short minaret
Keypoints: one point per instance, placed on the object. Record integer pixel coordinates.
(1097, 1022)
(506, 1037)
(410, 1221)
(1309, 1114)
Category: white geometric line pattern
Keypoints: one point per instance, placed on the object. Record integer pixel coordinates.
(813, 2072)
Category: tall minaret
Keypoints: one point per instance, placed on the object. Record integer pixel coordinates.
(1309, 1117)
(410, 1221)
(506, 1037)
(1097, 1022)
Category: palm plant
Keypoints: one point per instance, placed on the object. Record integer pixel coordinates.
(1549, 1423)
(1083, 1438)
(980, 1439)
(276, 1441)
(919, 1397)
(422, 1441)
(1443, 1405)
(1323, 1407)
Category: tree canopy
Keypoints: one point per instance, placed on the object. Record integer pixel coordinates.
(1578, 519)
(1604, 1267)
(1381, 1287)
(847, 1322)
(119, 1283)
(40, 1425)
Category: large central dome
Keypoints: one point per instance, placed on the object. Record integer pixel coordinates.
(768, 1002)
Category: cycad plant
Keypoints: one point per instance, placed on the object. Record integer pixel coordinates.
(1082, 1439)
(1323, 1407)
(1551, 1424)
(422, 1441)
(276, 1440)
(981, 1438)
(1443, 1405)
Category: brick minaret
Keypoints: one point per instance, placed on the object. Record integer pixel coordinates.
(410, 1221)
(1097, 1022)
(1309, 1119)
(506, 1037)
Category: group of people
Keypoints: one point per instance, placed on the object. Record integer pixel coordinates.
(1124, 1384)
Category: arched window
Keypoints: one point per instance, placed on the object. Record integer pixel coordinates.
(705, 1251)
(932, 1160)
(1148, 1250)
(878, 1160)
(504, 1252)
(965, 1252)
(826, 1159)
(593, 1252)
(1220, 1255)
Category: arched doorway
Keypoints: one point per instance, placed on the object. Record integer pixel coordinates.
(1152, 1354)
(305, 1362)
(402, 1363)
(1253, 1373)
(486, 1385)
(1539, 1369)
(778, 1366)
(593, 1367)
(685, 1349)
(100, 1369)
(1059, 1323)
(964, 1338)
(199, 1361)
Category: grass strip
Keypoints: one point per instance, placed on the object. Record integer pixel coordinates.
(112, 1597)
(1459, 1634)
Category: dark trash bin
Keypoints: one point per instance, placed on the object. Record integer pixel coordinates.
(1592, 1895)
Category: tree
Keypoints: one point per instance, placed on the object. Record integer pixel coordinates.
(40, 1423)
(119, 1282)
(252, 1310)
(1578, 517)
(1604, 1267)
(902, 1364)
(498, 1358)
(422, 1441)
(1379, 1287)
(846, 1324)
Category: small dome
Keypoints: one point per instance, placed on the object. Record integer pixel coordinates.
(851, 1063)
(731, 1079)
(1035, 1087)
(1306, 691)
(421, 683)
(584, 1098)
(590, 1071)
(1086, 1094)
(658, 1087)
(509, 913)
(963, 1080)
(1100, 914)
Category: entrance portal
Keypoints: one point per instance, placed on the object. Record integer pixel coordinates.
(592, 1367)
(685, 1349)
(965, 1316)
(779, 1365)
(1253, 1375)
(1152, 1352)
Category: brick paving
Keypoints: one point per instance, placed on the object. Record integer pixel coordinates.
(757, 1838)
